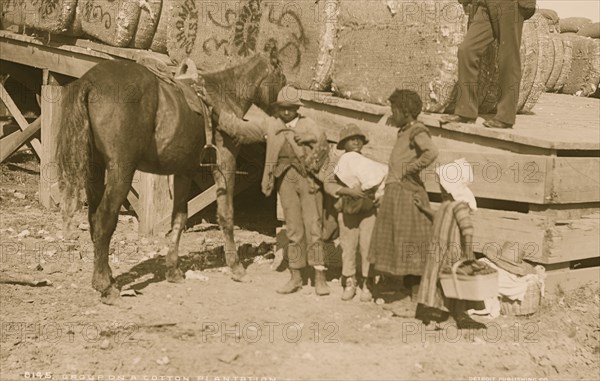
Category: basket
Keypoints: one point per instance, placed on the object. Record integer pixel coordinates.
(469, 287)
(529, 305)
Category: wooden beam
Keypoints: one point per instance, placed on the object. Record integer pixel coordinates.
(569, 279)
(51, 95)
(574, 180)
(19, 118)
(68, 60)
(14, 141)
(154, 204)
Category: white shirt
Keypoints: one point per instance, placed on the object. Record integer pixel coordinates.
(355, 169)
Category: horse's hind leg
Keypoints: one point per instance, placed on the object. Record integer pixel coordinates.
(94, 190)
(105, 221)
(178, 219)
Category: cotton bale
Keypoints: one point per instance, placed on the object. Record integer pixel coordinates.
(113, 22)
(147, 23)
(383, 45)
(585, 68)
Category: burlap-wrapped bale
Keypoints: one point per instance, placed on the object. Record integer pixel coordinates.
(534, 48)
(55, 16)
(159, 40)
(217, 35)
(305, 32)
(557, 62)
(12, 14)
(585, 68)
(146, 28)
(385, 45)
(565, 70)
(590, 30)
(573, 24)
(552, 19)
(205, 31)
(113, 22)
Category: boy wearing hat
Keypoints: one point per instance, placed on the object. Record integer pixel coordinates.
(357, 183)
(451, 241)
(296, 150)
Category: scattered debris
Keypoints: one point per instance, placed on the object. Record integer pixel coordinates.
(229, 357)
(163, 361)
(196, 275)
(84, 226)
(23, 280)
(19, 195)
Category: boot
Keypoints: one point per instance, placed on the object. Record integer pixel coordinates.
(321, 287)
(428, 314)
(294, 284)
(464, 321)
(365, 294)
(349, 289)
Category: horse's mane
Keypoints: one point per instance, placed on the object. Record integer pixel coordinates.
(236, 88)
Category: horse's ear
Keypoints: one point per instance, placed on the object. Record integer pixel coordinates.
(272, 51)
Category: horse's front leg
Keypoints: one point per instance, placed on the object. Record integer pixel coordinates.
(224, 177)
(181, 190)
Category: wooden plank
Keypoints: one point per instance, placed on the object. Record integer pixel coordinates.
(575, 180)
(51, 94)
(67, 61)
(155, 202)
(19, 118)
(14, 141)
(570, 279)
(574, 239)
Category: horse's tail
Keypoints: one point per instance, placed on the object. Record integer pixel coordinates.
(73, 149)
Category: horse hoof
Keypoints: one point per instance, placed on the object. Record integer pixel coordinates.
(175, 275)
(111, 296)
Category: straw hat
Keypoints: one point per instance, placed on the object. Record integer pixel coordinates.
(454, 177)
(349, 131)
(288, 97)
(511, 260)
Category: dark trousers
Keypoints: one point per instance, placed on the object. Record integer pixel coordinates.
(500, 20)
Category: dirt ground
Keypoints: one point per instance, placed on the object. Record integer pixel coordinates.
(214, 329)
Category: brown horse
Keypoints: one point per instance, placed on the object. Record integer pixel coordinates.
(119, 117)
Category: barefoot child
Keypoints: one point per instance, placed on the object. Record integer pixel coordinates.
(357, 184)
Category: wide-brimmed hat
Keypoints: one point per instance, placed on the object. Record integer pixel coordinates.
(349, 131)
(510, 258)
(454, 177)
(288, 96)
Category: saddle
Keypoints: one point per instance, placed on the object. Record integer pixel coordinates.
(191, 85)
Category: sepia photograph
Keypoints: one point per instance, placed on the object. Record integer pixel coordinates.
(319, 190)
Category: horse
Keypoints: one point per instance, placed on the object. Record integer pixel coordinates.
(119, 117)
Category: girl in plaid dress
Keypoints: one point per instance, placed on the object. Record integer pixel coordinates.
(402, 232)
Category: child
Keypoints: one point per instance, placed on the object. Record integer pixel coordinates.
(358, 184)
(402, 231)
(451, 241)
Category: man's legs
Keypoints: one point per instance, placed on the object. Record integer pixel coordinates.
(510, 29)
(479, 36)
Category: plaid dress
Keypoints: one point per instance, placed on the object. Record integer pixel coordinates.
(402, 232)
(450, 223)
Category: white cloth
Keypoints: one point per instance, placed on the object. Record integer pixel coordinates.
(454, 178)
(513, 286)
(354, 169)
(292, 123)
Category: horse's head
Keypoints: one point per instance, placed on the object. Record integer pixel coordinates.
(255, 81)
(274, 80)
